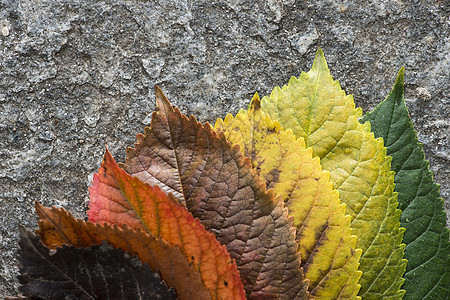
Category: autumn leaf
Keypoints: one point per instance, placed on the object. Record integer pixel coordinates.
(427, 238)
(97, 272)
(117, 197)
(317, 109)
(328, 254)
(218, 186)
(57, 227)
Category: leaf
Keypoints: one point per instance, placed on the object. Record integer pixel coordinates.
(328, 254)
(427, 238)
(315, 108)
(219, 187)
(57, 227)
(117, 197)
(98, 272)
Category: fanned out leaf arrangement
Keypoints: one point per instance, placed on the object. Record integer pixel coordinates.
(291, 199)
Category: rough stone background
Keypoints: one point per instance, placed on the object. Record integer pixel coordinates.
(76, 74)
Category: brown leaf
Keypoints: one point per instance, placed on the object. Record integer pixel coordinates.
(219, 187)
(57, 227)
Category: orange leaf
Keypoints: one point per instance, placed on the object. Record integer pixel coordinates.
(210, 275)
(219, 187)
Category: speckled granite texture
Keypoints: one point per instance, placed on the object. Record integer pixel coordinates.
(75, 75)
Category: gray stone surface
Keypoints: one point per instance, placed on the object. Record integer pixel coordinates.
(75, 75)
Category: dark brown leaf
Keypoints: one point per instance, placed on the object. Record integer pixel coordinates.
(97, 272)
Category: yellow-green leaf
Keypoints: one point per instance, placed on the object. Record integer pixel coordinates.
(316, 108)
(328, 254)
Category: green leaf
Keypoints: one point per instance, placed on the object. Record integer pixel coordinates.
(316, 108)
(428, 272)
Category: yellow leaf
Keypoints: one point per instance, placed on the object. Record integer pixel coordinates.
(328, 254)
(316, 108)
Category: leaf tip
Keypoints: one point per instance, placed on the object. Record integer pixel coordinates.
(162, 103)
(23, 231)
(319, 60)
(39, 209)
(319, 51)
(107, 158)
(400, 81)
(401, 71)
(256, 103)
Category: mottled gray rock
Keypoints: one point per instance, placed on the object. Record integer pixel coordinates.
(75, 75)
